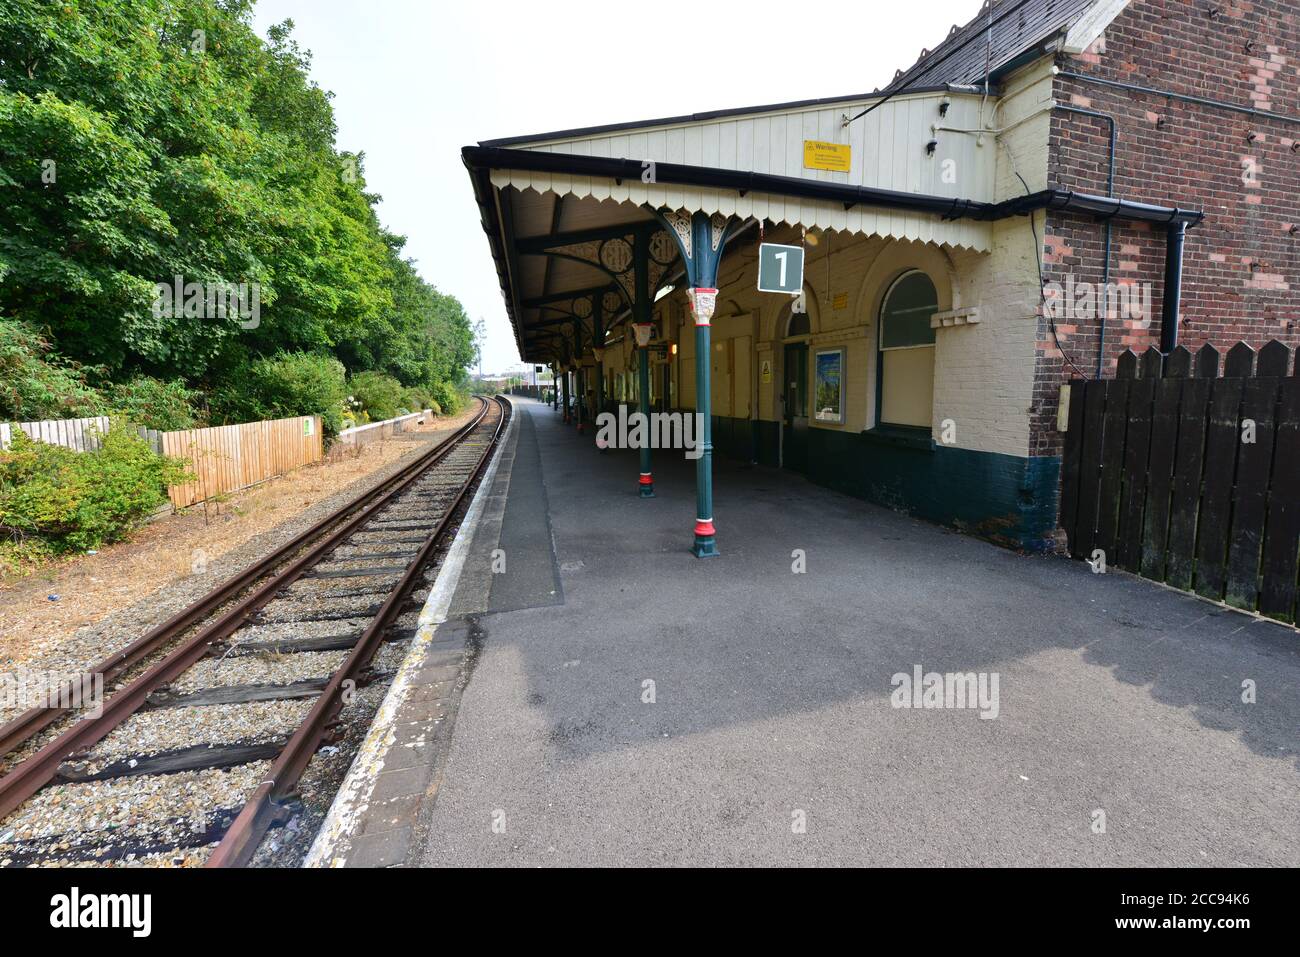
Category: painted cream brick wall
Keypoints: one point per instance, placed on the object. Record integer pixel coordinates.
(984, 370)
(1024, 114)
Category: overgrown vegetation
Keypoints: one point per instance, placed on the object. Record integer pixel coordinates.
(381, 396)
(154, 404)
(69, 500)
(36, 385)
(146, 141)
(290, 383)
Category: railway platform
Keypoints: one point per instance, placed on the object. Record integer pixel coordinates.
(606, 698)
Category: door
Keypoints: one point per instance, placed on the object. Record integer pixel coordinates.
(794, 429)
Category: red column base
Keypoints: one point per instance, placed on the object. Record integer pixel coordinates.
(706, 546)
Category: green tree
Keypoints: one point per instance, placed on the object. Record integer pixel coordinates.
(146, 140)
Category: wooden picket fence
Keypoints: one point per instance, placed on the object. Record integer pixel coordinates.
(80, 434)
(1185, 476)
(227, 458)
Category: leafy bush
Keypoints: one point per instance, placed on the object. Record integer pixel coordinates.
(419, 398)
(378, 394)
(24, 556)
(287, 384)
(34, 384)
(447, 398)
(154, 404)
(80, 500)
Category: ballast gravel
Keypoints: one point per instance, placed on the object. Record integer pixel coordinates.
(168, 729)
(149, 809)
(267, 669)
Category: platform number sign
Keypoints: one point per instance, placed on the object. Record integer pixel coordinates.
(780, 268)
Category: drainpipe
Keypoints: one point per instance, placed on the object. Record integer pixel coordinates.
(1110, 191)
(1173, 286)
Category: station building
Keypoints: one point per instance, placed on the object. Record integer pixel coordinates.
(921, 365)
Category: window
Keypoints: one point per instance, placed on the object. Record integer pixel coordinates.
(795, 323)
(906, 367)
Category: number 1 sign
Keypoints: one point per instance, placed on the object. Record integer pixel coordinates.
(780, 268)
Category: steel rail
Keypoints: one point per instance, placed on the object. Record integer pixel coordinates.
(28, 777)
(264, 808)
(35, 720)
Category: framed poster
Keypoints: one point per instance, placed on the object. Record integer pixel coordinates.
(828, 388)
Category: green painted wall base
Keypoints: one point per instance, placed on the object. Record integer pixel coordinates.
(1009, 499)
(748, 440)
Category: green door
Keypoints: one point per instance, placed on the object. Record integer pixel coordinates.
(794, 430)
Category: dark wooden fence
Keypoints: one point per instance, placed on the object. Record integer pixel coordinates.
(1185, 476)
(539, 392)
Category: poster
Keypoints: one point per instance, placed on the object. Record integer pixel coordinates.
(829, 388)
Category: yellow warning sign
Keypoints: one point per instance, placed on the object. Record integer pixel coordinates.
(836, 157)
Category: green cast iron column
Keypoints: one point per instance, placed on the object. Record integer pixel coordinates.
(598, 342)
(647, 481)
(580, 398)
(641, 260)
(702, 304)
(580, 382)
(700, 239)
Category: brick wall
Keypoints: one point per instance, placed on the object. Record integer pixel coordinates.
(1241, 278)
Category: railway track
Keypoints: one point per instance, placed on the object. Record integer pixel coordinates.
(199, 754)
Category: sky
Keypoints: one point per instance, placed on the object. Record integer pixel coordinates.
(416, 80)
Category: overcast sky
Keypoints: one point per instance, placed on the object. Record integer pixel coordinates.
(415, 80)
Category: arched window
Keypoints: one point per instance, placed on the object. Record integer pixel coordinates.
(906, 365)
(794, 323)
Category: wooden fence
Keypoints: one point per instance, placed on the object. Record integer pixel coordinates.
(80, 434)
(538, 392)
(1182, 476)
(227, 458)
